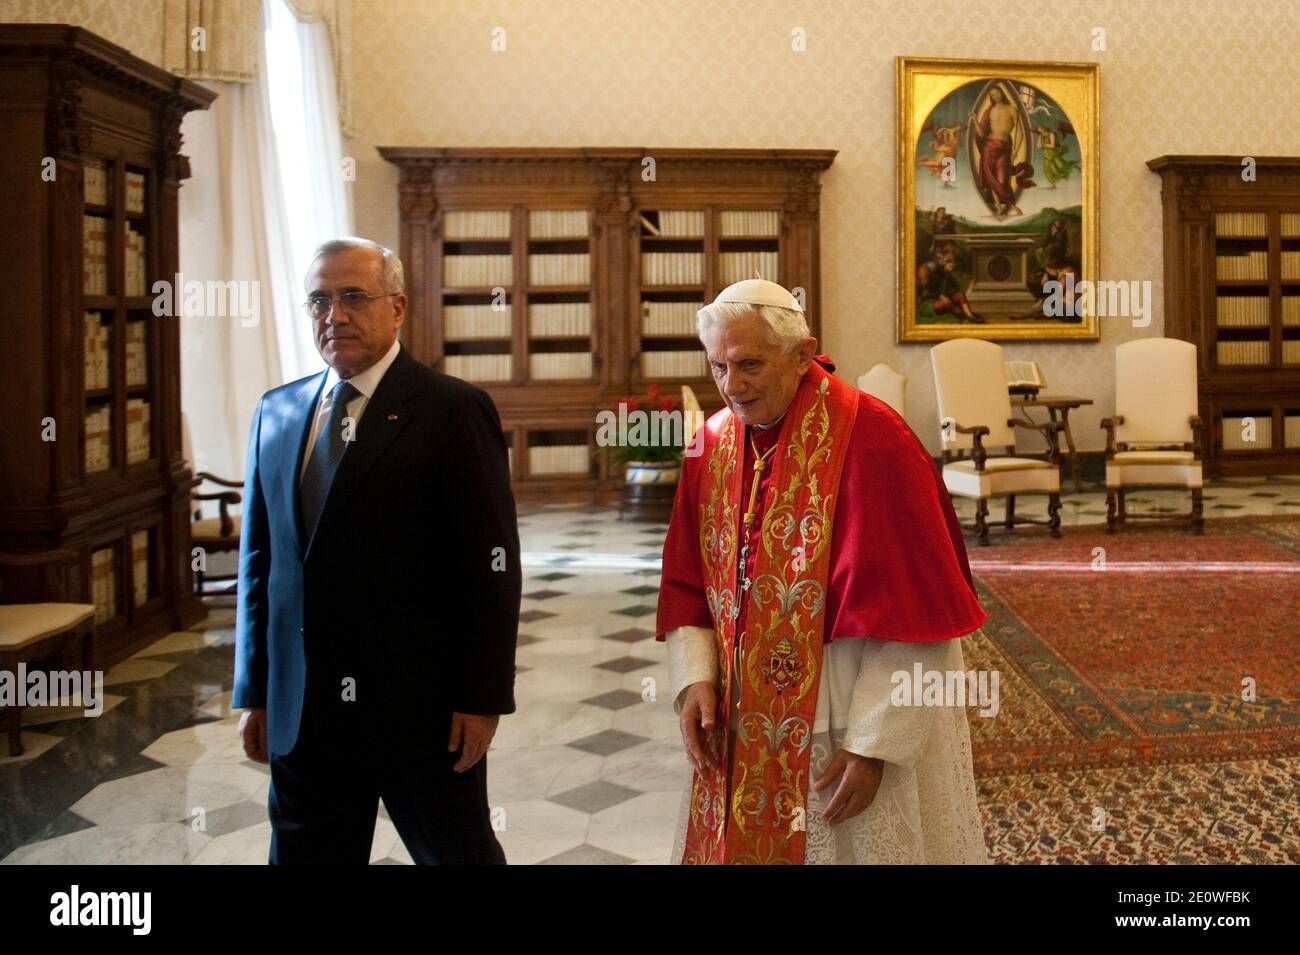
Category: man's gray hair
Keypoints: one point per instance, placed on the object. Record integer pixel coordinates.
(392, 274)
(787, 328)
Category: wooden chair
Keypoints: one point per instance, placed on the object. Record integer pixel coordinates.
(1155, 437)
(975, 409)
(889, 386)
(36, 632)
(216, 535)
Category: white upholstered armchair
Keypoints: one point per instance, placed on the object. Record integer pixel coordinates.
(884, 383)
(1154, 439)
(975, 415)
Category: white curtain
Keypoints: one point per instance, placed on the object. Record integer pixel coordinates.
(267, 188)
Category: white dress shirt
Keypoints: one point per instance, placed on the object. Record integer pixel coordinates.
(366, 382)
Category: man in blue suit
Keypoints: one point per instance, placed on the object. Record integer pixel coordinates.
(379, 586)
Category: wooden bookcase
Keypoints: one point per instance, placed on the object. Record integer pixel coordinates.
(563, 279)
(92, 446)
(1232, 288)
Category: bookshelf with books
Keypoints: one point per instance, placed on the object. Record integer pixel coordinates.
(597, 261)
(93, 462)
(1232, 288)
(687, 256)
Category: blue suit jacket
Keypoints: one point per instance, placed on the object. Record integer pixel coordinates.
(403, 604)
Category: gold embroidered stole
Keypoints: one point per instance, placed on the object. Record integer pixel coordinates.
(783, 640)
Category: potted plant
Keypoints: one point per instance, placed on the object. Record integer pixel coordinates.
(646, 438)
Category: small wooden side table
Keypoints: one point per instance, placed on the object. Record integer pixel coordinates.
(1062, 405)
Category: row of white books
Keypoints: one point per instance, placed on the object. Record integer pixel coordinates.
(559, 364)
(478, 367)
(98, 441)
(98, 356)
(672, 268)
(137, 430)
(1243, 353)
(565, 320)
(1241, 225)
(674, 223)
(96, 352)
(673, 364)
(97, 191)
(134, 198)
(1291, 225)
(94, 255)
(494, 224)
(559, 459)
(94, 176)
(748, 223)
(135, 265)
(669, 319)
(1236, 430)
(140, 561)
(1242, 311)
(461, 224)
(735, 266)
(1290, 351)
(544, 366)
(476, 224)
(459, 271)
(103, 583)
(476, 321)
(560, 319)
(1249, 265)
(1251, 311)
(566, 268)
(1291, 265)
(137, 354)
(558, 223)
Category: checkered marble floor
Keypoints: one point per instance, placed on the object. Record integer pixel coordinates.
(590, 769)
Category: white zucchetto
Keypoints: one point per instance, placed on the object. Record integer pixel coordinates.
(758, 292)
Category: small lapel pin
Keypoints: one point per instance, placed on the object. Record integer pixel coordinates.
(392, 417)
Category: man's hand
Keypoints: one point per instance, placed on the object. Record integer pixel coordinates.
(252, 730)
(699, 710)
(859, 779)
(470, 733)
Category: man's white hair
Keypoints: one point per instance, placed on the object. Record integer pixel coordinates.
(392, 274)
(786, 328)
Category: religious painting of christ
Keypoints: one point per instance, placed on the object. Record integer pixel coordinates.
(998, 197)
(1000, 148)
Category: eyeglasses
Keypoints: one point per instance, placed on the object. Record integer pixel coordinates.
(318, 306)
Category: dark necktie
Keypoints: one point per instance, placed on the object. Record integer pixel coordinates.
(324, 460)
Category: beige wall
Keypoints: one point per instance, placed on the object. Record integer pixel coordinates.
(1178, 76)
(136, 25)
(1185, 76)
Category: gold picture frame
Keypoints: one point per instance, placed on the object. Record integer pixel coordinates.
(1004, 220)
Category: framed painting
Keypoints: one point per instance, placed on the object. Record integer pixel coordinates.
(998, 200)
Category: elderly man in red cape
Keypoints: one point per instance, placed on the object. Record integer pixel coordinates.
(813, 562)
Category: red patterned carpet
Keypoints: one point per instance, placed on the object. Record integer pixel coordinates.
(1122, 734)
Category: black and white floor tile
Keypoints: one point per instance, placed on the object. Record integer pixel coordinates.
(589, 770)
